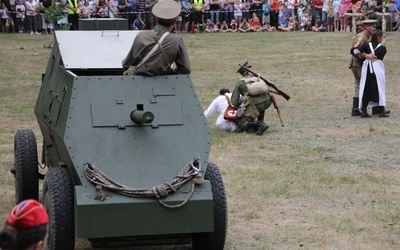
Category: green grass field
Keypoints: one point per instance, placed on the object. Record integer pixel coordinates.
(324, 181)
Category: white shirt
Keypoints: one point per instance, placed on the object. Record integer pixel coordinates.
(218, 106)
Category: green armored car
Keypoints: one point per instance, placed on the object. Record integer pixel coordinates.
(124, 159)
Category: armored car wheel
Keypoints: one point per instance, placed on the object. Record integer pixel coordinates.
(59, 202)
(214, 240)
(25, 166)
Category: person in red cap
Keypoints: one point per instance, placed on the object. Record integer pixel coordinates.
(26, 227)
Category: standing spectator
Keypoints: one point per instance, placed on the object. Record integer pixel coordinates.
(141, 8)
(113, 8)
(255, 99)
(256, 8)
(31, 7)
(357, 61)
(342, 15)
(290, 8)
(26, 227)
(47, 25)
(397, 15)
(214, 10)
(317, 6)
(99, 4)
(300, 12)
(273, 13)
(178, 23)
(73, 13)
(206, 12)
(4, 18)
(373, 83)
(325, 8)
(246, 9)
(150, 17)
(237, 12)
(228, 8)
(218, 106)
(187, 14)
(123, 11)
(265, 9)
(131, 8)
(330, 16)
(336, 16)
(198, 10)
(308, 8)
(20, 9)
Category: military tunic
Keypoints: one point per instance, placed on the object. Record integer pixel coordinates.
(262, 102)
(357, 61)
(173, 50)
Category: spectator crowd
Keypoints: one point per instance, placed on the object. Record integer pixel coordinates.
(43, 16)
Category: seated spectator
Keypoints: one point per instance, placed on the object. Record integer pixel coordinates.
(26, 227)
(233, 26)
(138, 23)
(318, 26)
(255, 24)
(244, 25)
(267, 26)
(209, 27)
(284, 25)
(218, 106)
(305, 23)
(224, 27)
(217, 26)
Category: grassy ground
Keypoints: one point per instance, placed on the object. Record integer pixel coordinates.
(324, 181)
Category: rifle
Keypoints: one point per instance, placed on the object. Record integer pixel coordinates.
(270, 84)
(277, 110)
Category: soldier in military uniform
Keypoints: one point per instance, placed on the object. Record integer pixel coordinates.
(251, 93)
(159, 52)
(357, 62)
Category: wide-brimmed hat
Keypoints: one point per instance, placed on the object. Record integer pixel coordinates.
(243, 68)
(166, 9)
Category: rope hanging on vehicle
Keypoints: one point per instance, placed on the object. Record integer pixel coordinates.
(190, 172)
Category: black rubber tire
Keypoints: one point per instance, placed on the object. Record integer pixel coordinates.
(58, 198)
(26, 166)
(214, 240)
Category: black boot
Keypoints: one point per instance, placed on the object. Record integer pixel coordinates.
(377, 110)
(364, 113)
(262, 127)
(355, 111)
(383, 113)
(251, 127)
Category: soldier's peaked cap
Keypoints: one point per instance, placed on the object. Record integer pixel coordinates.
(166, 9)
(369, 22)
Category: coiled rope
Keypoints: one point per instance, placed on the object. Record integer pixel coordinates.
(190, 172)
